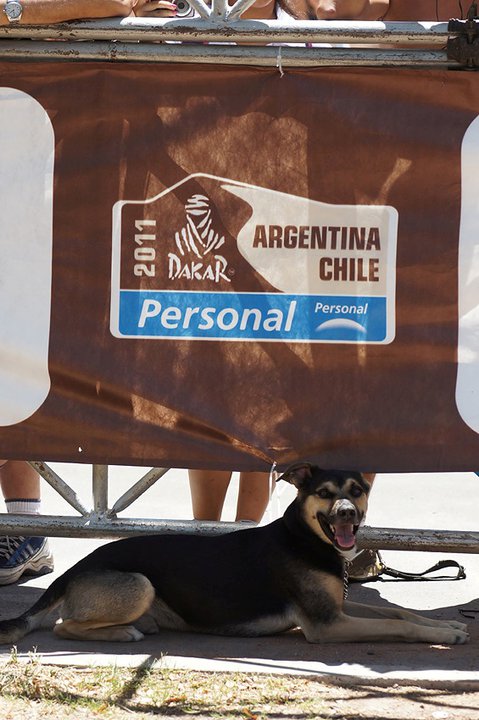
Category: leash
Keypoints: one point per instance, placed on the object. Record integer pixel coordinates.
(469, 613)
(402, 575)
(377, 569)
(368, 565)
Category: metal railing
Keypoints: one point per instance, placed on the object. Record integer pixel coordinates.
(213, 38)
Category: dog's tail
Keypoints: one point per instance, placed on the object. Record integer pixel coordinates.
(13, 630)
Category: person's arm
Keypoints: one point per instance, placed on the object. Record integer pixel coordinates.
(46, 12)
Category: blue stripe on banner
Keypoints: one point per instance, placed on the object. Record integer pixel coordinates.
(252, 316)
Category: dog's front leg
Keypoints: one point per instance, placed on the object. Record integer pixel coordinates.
(358, 629)
(395, 613)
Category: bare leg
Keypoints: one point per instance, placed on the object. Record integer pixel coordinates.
(208, 491)
(19, 480)
(253, 497)
(22, 554)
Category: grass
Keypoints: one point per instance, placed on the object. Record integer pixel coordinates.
(30, 689)
(113, 692)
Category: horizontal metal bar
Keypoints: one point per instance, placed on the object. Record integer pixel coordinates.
(98, 527)
(137, 490)
(61, 487)
(454, 541)
(218, 29)
(221, 54)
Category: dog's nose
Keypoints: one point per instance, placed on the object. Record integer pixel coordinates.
(346, 511)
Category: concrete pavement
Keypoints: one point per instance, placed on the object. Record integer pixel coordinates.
(441, 501)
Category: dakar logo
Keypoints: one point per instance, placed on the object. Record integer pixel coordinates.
(198, 243)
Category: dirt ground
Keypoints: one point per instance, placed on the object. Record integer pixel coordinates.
(36, 691)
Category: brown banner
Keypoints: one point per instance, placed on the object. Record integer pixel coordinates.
(226, 268)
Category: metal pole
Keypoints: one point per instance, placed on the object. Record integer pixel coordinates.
(99, 527)
(137, 489)
(238, 8)
(201, 8)
(222, 54)
(210, 28)
(60, 486)
(373, 538)
(218, 8)
(100, 488)
(454, 541)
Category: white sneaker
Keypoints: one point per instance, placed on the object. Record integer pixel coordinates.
(24, 556)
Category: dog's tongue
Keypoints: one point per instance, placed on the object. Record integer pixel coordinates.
(344, 536)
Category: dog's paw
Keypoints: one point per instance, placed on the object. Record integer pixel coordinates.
(125, 633)
(454, 636)
(134, 635)
(456, 625)
(451, 625)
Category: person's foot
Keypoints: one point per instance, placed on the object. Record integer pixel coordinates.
(24, 556)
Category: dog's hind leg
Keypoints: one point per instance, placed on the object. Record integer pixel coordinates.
(104, 606)
(74, 630)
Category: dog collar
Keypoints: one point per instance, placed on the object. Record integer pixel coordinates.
(349, 555)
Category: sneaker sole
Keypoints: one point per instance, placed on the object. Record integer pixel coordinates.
(34, 568)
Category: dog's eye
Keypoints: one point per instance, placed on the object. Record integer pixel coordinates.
(356, 491)
(324, 494)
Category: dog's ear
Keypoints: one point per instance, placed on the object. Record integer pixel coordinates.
(297, 474)
(369, 477)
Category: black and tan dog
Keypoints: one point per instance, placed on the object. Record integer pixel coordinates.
(251, 582)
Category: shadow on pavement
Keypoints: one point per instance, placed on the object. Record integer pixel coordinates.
(287, 653)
